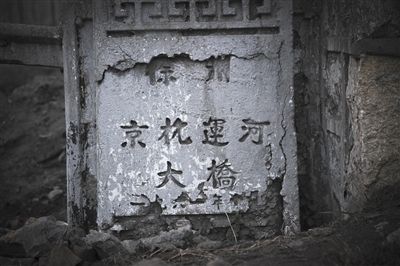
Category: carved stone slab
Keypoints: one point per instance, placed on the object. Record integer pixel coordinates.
(198, 122)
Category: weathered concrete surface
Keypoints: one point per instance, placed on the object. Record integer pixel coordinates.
(226, 82)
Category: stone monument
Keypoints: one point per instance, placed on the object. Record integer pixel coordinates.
(183, 111)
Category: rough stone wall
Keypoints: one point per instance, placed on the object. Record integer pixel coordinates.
(373, 94)
(336, 165)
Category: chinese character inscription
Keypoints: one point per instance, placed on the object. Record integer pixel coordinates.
(169, 175)
(222, 175)
(133, 131)
(171, 131)
(255, 129)
(213, 133)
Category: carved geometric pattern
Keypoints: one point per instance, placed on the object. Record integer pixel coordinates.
(157, 8)
(192, 14)
(265, 8)
(227, 10)
(120, 10)
(210, 10)
(173, 11)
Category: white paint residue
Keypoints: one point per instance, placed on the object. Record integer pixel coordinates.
(117, 228)
(170, 149)
(119, 169)
(199, 163)
(114, 194)
(113, 178)
(132, 175)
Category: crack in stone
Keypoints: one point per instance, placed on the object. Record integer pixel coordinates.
(131, 63)
(251, 56)
(283, 126)
(282, 123)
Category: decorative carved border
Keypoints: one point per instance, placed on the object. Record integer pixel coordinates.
(191, 14)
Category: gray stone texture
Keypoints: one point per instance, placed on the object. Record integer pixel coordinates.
(373, 94)
(338, 150)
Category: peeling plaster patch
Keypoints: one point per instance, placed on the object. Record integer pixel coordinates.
(251, 48)
(115, 191)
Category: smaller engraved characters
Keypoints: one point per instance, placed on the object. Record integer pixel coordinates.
(133, 132)
(255, 129)
(166, 75)
(222, 175)
(176, 130)
(169, 175)
(217, 200)
(268, 156)
(214, 133)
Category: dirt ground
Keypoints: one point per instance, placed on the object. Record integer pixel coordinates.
(362, 239)
(33, 184)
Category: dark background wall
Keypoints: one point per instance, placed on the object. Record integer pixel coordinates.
(36, 12)
(32, 127)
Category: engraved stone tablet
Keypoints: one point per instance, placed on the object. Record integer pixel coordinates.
(194, 109)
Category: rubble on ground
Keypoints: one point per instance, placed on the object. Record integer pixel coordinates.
(359, 240)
